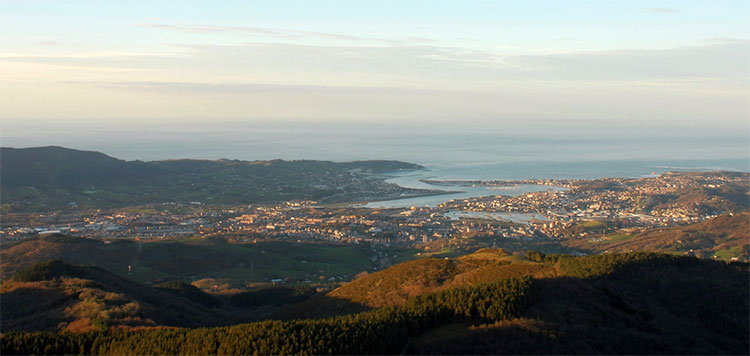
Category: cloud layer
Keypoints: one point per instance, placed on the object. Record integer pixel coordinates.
(300, 74)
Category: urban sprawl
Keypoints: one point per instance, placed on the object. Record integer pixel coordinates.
(635, 203)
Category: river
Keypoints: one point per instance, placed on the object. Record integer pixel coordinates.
(413, 179)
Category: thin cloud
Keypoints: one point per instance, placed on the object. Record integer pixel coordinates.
(716, 61)
(719, 63)
(113, 60)
(727, 40)
(660, 10)
(208, 29)
(343, 37)
(85, 55)
(196, 87)
(713, 60)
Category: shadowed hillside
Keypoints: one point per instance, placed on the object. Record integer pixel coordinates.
(210, 260)
(618, 304)
(604, 304)
(58, 296)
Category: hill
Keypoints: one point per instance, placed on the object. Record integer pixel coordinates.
(602, 304)
(395, 285)
(617, 304)
(208, 262)
(705, 199)
(58, 296)
(724, 237)
(51, 178)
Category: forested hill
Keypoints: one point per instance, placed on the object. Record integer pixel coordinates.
(51, 178)
(721, 237)
(635, 303)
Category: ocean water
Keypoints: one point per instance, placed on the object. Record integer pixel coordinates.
(454, 151)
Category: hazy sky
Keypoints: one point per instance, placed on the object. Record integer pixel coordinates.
(502, 62)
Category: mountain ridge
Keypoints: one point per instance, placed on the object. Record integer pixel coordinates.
(54, 178)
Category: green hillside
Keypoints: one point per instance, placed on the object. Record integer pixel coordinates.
(50, 178)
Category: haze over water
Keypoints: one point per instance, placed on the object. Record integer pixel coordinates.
(449, 152)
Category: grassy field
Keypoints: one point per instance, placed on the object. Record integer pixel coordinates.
(593, 224)
(728, 253)
(443, 252)
(617, 237)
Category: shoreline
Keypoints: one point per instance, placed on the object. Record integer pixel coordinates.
(362, 203)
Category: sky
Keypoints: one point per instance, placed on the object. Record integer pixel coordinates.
(482, 63)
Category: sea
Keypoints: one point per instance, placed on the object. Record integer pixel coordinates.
(453, 151)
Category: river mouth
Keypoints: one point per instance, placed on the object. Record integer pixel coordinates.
(453, 190)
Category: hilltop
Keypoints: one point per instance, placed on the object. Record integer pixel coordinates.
(52, 178)
(395, 285)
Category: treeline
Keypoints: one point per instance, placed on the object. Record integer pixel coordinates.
(51, 269)
(607, 264)
(380, 331)
(190, 292)
(272, 295)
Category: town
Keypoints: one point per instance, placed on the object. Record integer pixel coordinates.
(617, 203)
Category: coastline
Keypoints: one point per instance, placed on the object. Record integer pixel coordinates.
(362, 203)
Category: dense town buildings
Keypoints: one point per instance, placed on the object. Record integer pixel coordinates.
(624, 203)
